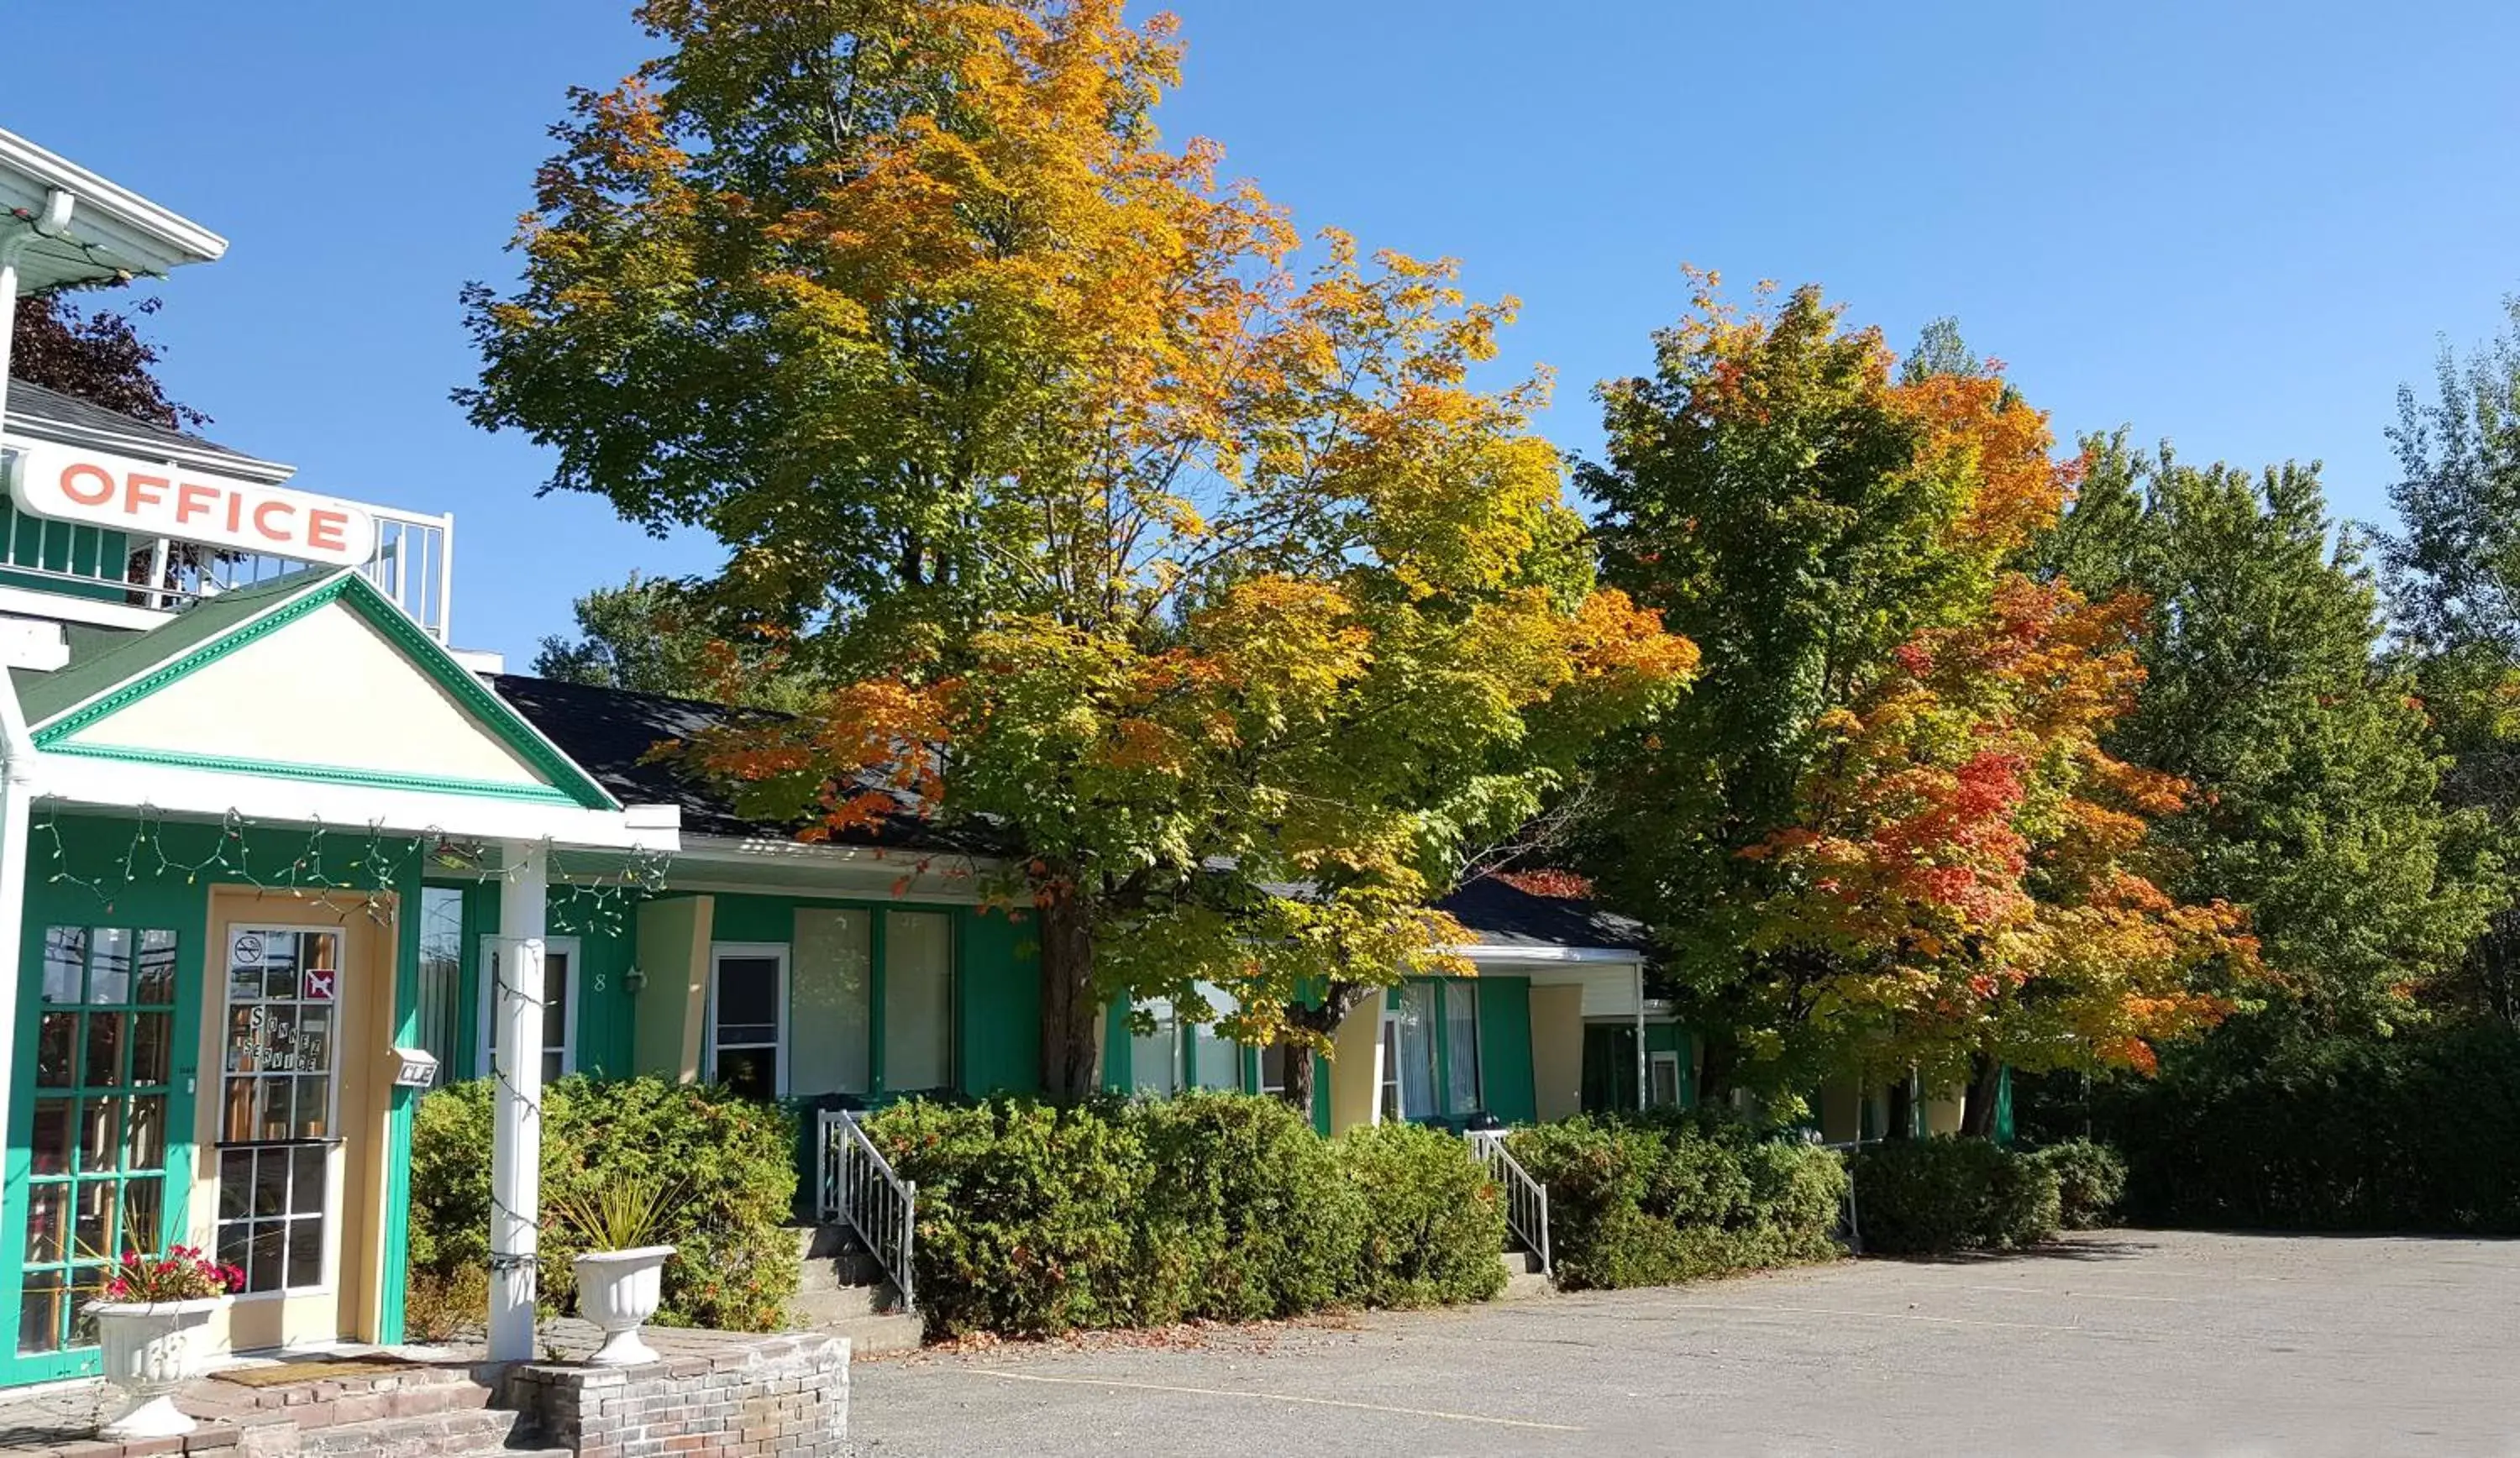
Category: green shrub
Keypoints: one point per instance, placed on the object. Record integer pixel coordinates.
(1433, 1224)
(2418, 1132)
(735, 1263)
(1646, 1200)
(2090, 1180)
(1035, 1221)
(1929, 1196)
(1251, 1215)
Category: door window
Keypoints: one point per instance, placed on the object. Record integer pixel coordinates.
(276, 1101)
(104, 1079)
(917, 1000)
(749, 1018)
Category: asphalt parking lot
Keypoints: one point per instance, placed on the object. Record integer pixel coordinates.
(2124, 1342)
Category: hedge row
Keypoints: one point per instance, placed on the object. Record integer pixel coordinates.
(1649, 1199)
(1943, 1194)
(735, 1267)
(2419, 1132)
(1035, 1221)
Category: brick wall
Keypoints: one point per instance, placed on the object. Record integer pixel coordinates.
(755, 1397)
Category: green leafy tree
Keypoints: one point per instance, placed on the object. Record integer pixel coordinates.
(1881, 834)
(2316, 772)
(1195, 573)
(656, 636)
(2453, 574)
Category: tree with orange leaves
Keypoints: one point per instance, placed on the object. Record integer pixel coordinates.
(1183, 564)
(1883, 834)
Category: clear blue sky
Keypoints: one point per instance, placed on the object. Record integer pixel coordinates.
(2237, 226)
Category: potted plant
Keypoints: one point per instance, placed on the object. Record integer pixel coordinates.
(149, 1326)
(620, 1279)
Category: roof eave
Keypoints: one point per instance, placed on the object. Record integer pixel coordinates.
(137, 233)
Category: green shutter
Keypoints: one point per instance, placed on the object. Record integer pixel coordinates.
(998, 1011)
(1506, 1082)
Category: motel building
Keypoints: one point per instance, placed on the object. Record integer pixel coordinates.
(249, 937)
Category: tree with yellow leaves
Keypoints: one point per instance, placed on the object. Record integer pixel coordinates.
(1181, 563)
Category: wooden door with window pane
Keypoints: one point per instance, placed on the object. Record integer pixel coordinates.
(104, 1097)
(296, 1100)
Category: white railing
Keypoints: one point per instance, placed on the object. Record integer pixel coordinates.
(414, 565)
(1526, 1199)
(860, 1191)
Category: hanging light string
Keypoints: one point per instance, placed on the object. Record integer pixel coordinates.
(342, 870)
(367, 883)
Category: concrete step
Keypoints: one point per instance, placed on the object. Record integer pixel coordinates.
(1523, 1279)
(839, 1273)
(870, 1335)
(457, 1433)
(818, 1309)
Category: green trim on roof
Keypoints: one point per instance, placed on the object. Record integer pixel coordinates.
(130, 672)
(494, 790)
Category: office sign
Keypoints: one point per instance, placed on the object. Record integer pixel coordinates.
(157, 499)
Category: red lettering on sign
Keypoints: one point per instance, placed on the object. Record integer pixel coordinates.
(192, 499)
(324, 530)
(94, 496)
(262, 519)
(140, 491)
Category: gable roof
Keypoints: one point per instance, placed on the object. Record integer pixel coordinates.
(112, 673)
(47, 413)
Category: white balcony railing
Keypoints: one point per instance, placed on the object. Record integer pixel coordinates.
(414, 565)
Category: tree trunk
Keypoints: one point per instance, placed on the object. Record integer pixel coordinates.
(1070, 1054)
(1321, 1018)
(1903, 1109)
(1977, 1108)
(1299, 1080)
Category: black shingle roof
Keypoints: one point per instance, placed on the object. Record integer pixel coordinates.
(1502, 914)
(610, 732)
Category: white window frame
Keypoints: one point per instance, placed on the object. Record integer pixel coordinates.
(568, 947)
(1654, 1062)
(779, 952)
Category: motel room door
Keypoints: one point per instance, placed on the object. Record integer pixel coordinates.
(298, 1010)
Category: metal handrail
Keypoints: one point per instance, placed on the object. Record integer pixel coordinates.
(1526, 1199)
(860, 1190)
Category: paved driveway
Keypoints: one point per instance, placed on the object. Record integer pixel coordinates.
(2127, 1343)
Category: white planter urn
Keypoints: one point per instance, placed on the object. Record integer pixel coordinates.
(619, 1291)
(151, 1348)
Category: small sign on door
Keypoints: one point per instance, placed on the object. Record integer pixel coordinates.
(318, 984)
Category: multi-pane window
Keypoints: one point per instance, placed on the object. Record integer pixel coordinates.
(747, 1019)
(103, 1077)
(276, 1135)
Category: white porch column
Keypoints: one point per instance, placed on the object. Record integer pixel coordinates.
(1642, 1091)
(516, 1126)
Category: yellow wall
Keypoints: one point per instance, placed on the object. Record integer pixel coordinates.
(1557, 1050)
(674, 956)
(1356, 1067)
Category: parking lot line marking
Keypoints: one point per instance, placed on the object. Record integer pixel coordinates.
(2018, 1326)
(2097, 1295)
(1157, 1386)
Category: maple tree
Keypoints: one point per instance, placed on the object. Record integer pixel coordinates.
(1883, 833)
(1184, 562)
(97, 355)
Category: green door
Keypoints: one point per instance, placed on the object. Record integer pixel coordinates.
(100, 1128)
